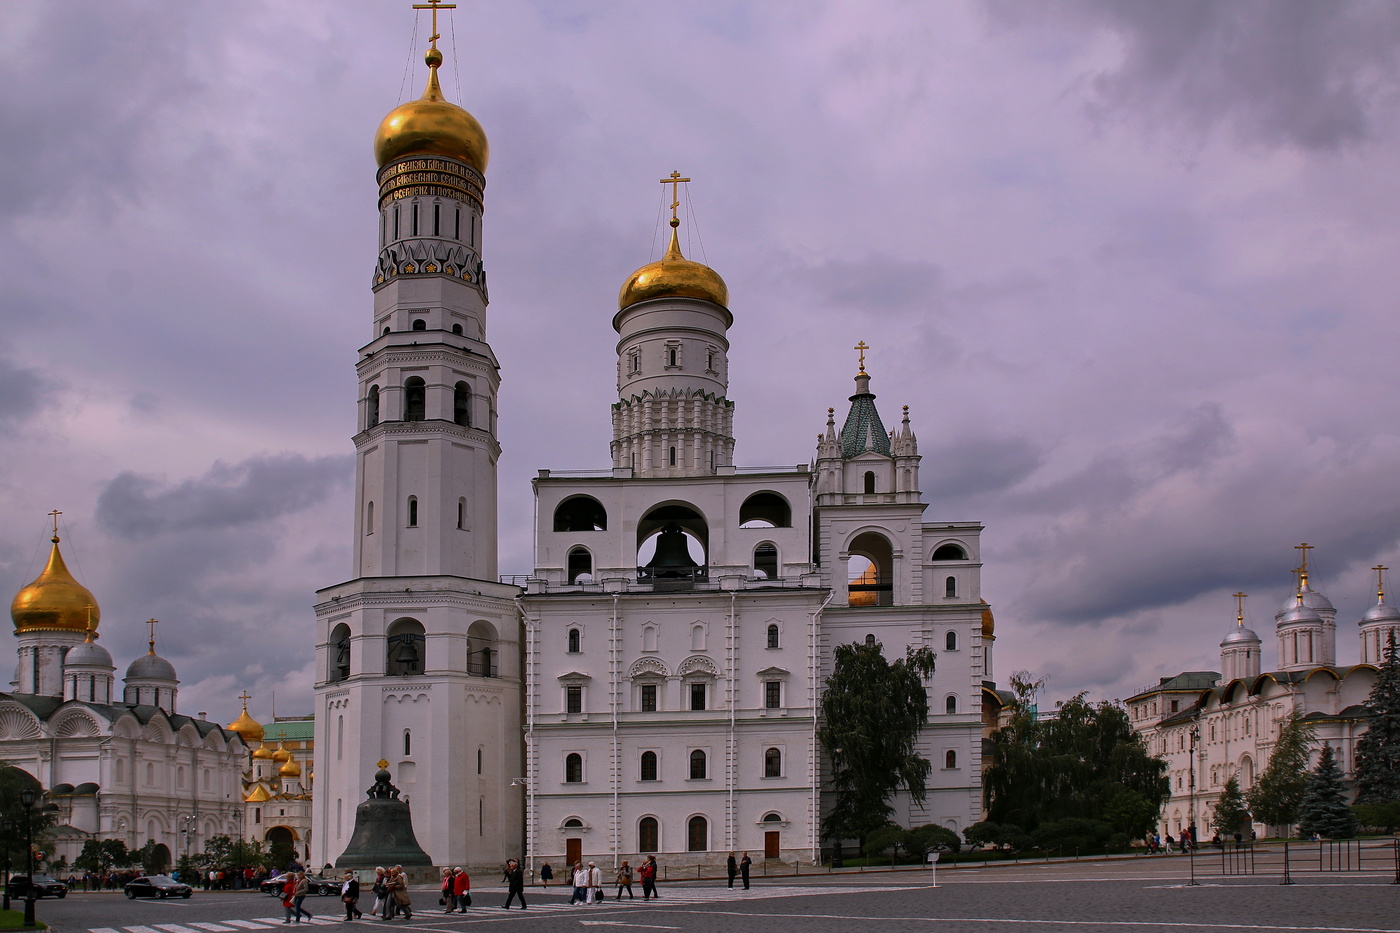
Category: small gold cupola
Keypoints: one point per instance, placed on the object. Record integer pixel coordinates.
(246, 726)
(674, 276)
(431, 125)
(55, 602)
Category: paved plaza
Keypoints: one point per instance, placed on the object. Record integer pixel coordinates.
(1123, 896)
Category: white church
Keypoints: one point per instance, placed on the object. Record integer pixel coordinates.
(653, 686)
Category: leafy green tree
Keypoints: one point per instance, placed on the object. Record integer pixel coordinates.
(1378, 750)
(1074, 765)
(1073, 833)
(886, 838)
(218, 853)
(982, 834)
(1131, 813)
(921, 840)
(100, 855)
(1323, 810)
(1382, 816)
(872, 714)
(1230, 814)
(1274, 798)
(153, 857)
(247, 853)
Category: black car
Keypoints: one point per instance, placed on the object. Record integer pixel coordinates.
(156, 886)
(43, 886)
(314, 885)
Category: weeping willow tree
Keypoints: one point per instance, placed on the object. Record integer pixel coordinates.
(1084, 763)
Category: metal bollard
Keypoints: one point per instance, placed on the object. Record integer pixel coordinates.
(1287, 878)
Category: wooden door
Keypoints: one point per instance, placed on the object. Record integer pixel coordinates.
(573, 852)
(771, 845)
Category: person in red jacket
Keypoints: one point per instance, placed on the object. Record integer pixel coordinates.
(461, 890)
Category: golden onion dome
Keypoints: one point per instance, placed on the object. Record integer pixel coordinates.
(290, 769)
(246, 726)
(431, 125)
(281, 755)
(262, 753)
(674, 276)
(989, 623)
(54, 602)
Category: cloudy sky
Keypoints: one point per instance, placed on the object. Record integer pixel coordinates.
(1132, 265)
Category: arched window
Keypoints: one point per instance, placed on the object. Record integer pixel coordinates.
(950, 641)
(573, 641)
(121, 770)
(870, 641)
(765, 562)
(461, 513)
(340, 652)
(698, 834)
(407, 743)
(649, 638)
(580, 513)
(765, 510)
(950, 759)
(949, 552)
(372, 407)
(671, 356)
(369, 518)
(697, 637)
(457, 329)
(772, 763)
(772, 635)
(413, 511)
(462, 404)
(648, 770)
(580, 565)
(573, 769)
(869, 481)
(405, 645)
(648, 835)
(386, 330)
(420, 324)
(481, 649)
(950, 587)
(415, 399)
(673, 456)
(870, 571)
(697, 765)
(950, 705)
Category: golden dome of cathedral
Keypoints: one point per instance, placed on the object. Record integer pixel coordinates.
(246, 726)
(54, 602)
(262, 753)
(281, 754)
(431, 125)
(989, 622)
(674, 276)
(290, 769)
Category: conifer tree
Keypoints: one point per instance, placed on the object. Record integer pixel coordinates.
(1230, 815)
(1324, 811)
(1378, 751)
(1275, 796)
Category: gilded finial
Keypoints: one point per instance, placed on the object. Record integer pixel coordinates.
(862, 347)
(1380, 570)
(55, 514)
(152, 623)
(1239, 609)
(245, 697)
(675, 181)
(434, 5)
(382, 764)
(1302, 570)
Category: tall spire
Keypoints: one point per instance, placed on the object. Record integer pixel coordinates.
(863, 430)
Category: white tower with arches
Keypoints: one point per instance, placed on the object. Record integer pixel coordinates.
(417, 654)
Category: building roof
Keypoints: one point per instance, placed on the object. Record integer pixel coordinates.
(298, 729)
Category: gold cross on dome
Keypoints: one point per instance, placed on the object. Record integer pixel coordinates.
(1380, 570)
(152, 623)
(1305, 547)
(1239, 608)
(55, 514)
(244, 696)
(862, 347)
(434, 5)
(675, 181)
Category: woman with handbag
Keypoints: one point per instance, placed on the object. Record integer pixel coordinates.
(350, 896)
(289, 887)
(446, 900)
(398, 893)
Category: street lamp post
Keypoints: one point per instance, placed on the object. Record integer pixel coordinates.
(187, 829)
(1191, 811)
(9, 828)
(26, 799)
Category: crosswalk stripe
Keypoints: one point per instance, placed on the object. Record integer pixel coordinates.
(173, 928)
(211, 927)
(102, 930)
(139, 930)
(248, 924)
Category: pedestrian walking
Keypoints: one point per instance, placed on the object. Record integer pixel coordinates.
(461, 890)
(378, 890)
(731, 868)
(579, 879)
(303, 887)
(350, 896)
(515, 884)
(744, 864)
(596, 895)
(624, 880)
(289, 887)
(546, 874)
(647, 872)
(445, 888)
(399, 899)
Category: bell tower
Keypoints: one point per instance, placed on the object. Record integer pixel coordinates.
(417, 654)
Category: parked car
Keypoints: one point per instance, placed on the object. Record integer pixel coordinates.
(314, 885)
(156, 886)
(43, 886)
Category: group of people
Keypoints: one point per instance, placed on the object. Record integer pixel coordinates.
(740, 868)
(456, 890)
(390, 890)
(588, 881)
(295, 887)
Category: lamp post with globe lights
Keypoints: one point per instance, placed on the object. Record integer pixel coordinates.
(26, 800)
(8, 828)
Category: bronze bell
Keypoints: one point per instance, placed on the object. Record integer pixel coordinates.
(408, 655)
(672, 557)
